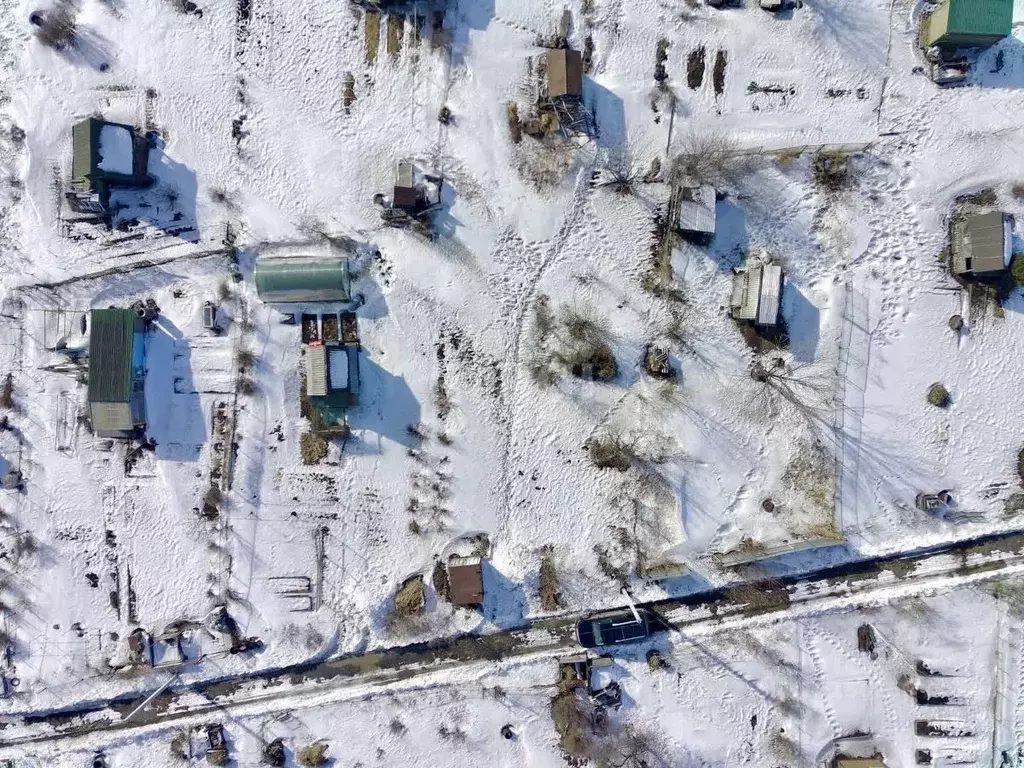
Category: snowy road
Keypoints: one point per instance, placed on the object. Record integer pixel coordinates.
(452, 661)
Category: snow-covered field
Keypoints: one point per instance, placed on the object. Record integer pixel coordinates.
(273, 133)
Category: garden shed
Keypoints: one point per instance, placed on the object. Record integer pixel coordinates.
(968, 23)
(757, 293)
(117, 372)
(301, 279)
(466, 581)
(696, 210)
(564, 73)
(405, 195)
(981, 245)
(106, 154)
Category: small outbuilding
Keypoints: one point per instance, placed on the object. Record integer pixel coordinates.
(858, 762)
(405, 194)
(466, 581)
(117, 372)
(107, 154)
(968, 23)
(757, 294)
(696, 211)
(564, 73)
(302, 279)
(981, 245)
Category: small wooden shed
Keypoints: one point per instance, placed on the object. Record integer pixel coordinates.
(405, 195)
(981, 245)
(696, 210)
(564, 73)
(466, 581)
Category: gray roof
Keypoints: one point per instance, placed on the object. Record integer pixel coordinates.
(697, 210)
(302, 279)
(981, 244)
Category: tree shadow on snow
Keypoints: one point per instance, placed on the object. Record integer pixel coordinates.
(169, 204)
(174, 414)
(474, 14)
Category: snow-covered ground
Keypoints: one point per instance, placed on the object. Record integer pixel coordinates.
(468, 425)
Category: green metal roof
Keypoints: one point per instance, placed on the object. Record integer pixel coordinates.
(302, 278)
(980, 17)
(82, 157)
(110, 355)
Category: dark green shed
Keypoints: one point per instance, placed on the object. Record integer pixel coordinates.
(117, 372)
(107, 154)
(969, 23)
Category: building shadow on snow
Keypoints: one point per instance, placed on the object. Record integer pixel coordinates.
(609, 114)
(504, 599)
(168, 204)
(1000, 65)
(443, 221)
(803, 323)
(387, 406)
(731, 239)
(174, 413)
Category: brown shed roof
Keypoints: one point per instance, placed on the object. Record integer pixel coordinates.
(466, 581)
(565, 73)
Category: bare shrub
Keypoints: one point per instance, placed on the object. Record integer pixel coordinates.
(938, 396)
(706, 158)
(571, 718)
(56, 28)
(7, 392)
(439, 579)
(635, 747)
(831, 170)
(550, 599)
(397, 727)
(312, 448)
(545, 163)
(583, 324)
(1017, 190)
(442, 401)
(246, 359)
(543, 317)
(515, 127)
(542, 372)
(612, 451)
(410, 599)
(312, 755)
(620, 173)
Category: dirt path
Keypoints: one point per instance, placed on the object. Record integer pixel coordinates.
(844, 588)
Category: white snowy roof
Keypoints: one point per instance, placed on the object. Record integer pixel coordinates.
(116, 149)
(697, 210)
(337, 365)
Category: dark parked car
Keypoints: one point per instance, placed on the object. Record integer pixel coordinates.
(612, 628)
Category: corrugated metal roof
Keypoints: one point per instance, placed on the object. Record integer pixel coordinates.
(746, 289)
(770, 294)
(980, 17)
(316, 371)
(302, 279)
(404, 176)
(564, 73)
(111, 334)
(697, 210)
(82, 155)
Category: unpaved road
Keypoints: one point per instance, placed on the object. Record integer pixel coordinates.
(844, 588)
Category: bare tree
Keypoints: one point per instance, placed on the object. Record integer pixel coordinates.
(707, 158)
(635, 748)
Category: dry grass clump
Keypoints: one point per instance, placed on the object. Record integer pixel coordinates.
(312, 448)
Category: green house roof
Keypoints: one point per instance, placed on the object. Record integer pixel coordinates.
(302, 279)
(110, 355)
(973, 20)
